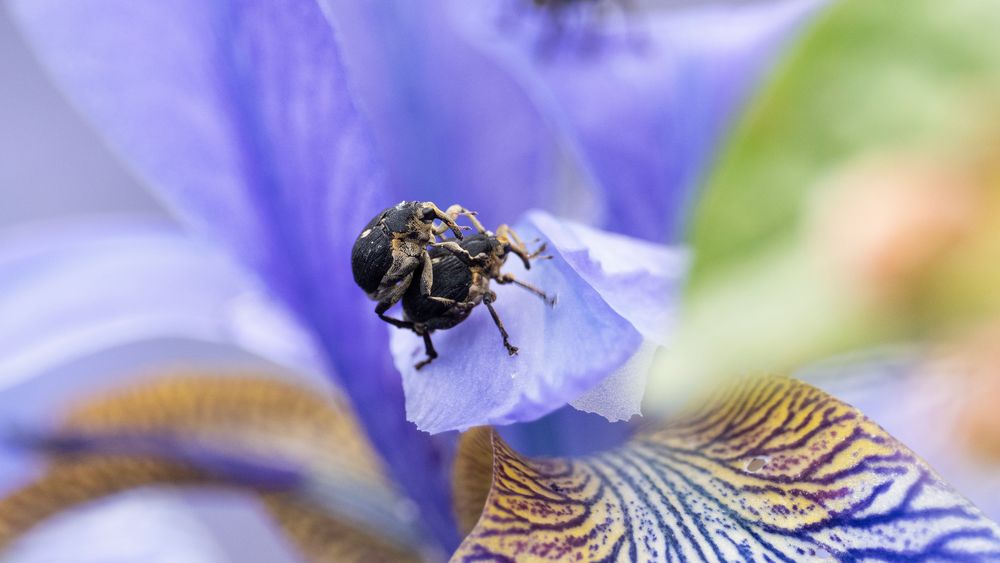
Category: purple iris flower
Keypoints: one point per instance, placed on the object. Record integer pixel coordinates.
(280, 128)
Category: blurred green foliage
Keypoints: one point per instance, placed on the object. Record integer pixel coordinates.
(873, 75)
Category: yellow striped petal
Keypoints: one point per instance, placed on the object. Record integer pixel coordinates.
(768, 470)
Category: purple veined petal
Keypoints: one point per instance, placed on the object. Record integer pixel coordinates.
(765, 470)
(239, 116)
(453, 125)
(643, 95)
(565, 351)
(73, 288)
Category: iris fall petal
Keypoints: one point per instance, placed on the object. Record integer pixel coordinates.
(769, 470)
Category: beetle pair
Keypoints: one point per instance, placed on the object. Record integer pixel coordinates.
(400, 244)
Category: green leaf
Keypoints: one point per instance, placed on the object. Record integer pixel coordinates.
(769, 470)
(871, 76)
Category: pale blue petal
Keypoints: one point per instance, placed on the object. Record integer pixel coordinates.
(71, 289)
(89, 302)
(237, 112)
(565, 351)
(642, 95)
(156, 526)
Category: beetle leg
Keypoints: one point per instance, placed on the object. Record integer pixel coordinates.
(428, 348)
(509, 278)
(505, 231)
(538, 252)
(380, 310)
(456, 210)
(488, 299)
(440, 229)
(427, 276)
(452, 303)
(392, 289)
(389, 296)
(400, 273)
(448, 221)
(461, 253)
(514, 244)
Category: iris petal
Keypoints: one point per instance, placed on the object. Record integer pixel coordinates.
(923, 406)
(157, 527)
(296, 448)
(239, 115)
(612, 294)
(71, 289)
(769, 469)
(453, 125)
(642, 97)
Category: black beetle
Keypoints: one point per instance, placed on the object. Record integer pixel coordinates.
(393, 246)
(462, 273)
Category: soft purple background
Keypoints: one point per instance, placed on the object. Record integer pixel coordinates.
(53, 167)
(51, 164)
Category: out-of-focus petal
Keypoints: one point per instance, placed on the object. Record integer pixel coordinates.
(641, 96)
(156, 527)
(768, 470)
(612, 295)
(453, 125)
(197, 429)
(239, 115)
(70, 289)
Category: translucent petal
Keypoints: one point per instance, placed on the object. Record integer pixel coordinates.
(612, 294)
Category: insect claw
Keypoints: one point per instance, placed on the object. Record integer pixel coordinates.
(512, 350)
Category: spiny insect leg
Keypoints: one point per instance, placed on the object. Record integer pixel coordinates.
(488, 299)
(380, 310)
(428, 349)
(509, 278)
(457, 210)
(427, 276)
(452, 302)
(461, 253)
(448, 220)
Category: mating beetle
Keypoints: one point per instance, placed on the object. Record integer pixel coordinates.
(393, 246)
(462, 273)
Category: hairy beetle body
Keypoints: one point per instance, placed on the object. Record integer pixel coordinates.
(462, 273)
(392, 248)
(371, 256)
